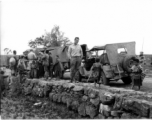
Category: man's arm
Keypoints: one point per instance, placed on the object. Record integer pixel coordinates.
(51, 60)
(35, 56)
(69, 52)
(24, 65)
(19, 62)
(81, 52)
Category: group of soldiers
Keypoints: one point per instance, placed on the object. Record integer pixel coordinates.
(42, 65)
(36, 66)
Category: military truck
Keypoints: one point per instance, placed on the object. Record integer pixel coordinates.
(116, 59)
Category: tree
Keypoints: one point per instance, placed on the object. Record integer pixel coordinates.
(37, 42)
(50, 39)
(7, 51)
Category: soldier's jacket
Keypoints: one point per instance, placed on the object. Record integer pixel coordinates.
(45, 59)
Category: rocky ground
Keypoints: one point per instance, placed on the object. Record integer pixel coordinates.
(22, 107)
(26, 107)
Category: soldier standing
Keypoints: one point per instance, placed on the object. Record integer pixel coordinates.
(21, 67)
(15, 56)
(75, 55)
(40, 67)
(50, 64)
(45, 59)
(13, 61)
(32, 59)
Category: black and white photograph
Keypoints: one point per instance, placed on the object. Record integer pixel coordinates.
(76, 59)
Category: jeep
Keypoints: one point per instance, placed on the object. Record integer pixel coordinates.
(116, 60)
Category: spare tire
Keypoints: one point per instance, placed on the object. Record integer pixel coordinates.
(127, 63)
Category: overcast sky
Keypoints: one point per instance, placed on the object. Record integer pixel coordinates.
(96, 22)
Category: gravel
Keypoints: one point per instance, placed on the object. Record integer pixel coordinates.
(26, 107)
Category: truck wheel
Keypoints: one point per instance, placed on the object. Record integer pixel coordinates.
(105, 80)
(126, 80)
(61, 76)
(127, 63)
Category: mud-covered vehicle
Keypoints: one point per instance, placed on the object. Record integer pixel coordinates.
(116, 59)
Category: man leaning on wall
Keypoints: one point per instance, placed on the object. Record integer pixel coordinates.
(75, 54)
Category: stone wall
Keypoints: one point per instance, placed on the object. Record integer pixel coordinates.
(84, 98)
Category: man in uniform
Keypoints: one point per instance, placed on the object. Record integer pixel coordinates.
(45, 59)
(75, 55)
(15, 56)
(50, 64)
(32, 59)
(13, 63)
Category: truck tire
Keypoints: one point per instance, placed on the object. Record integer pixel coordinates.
(105, 80)
(126, 80)
(127, 63)
(61, 77)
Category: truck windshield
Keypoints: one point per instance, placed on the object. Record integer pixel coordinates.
(122, 51)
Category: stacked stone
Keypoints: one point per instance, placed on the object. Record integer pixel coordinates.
(29, 86)
(106, 106)
(15, 86)
(89, 101)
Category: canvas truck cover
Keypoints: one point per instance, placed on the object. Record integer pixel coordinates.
(62, 52)
(96, 48)
(112, 52)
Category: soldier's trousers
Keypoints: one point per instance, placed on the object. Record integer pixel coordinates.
(46, 71)
(74, 64)
(51, 71)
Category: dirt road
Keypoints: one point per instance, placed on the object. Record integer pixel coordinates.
(147, 83)
(146, 87)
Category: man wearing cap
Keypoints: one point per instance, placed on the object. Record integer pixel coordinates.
(50, 64)
(75, 54)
